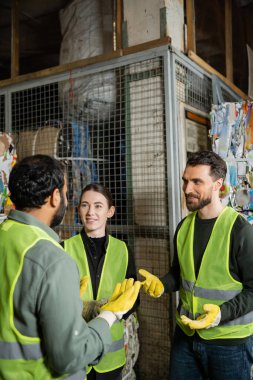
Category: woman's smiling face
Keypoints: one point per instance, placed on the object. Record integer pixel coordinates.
(94, 211)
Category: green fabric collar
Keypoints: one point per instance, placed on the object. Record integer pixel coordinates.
(25, 218)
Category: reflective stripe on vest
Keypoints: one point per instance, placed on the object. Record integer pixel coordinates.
(214, 283)
(224, 295)
(15, 350)
(20, 356)
(117, 344)
(114, 271)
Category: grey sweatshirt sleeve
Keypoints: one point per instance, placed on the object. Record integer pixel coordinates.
(47, 303)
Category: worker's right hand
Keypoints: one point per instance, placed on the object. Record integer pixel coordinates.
(123, 298)
(91, 309)
(152, 285)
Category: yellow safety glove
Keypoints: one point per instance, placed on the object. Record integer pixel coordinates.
(120, 288)
(152, 285)
(210, 318)
(83, 284)
(123, 300)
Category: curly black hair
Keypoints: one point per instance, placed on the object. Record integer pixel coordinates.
(33, 179)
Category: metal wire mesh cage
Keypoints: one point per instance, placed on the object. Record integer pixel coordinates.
(114, 124)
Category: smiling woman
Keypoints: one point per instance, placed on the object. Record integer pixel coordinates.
(95, 207)
(106, 261)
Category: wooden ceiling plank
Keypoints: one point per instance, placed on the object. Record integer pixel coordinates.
(191, 33)
(119, 24)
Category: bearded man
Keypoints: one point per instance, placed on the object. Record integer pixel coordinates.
(213, 271)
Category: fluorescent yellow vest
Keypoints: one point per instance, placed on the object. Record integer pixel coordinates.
(20, 356)
(214, 283)
(114, 271)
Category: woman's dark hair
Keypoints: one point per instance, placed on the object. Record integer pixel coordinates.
(218, 167)
(99, 189)
(33, 179)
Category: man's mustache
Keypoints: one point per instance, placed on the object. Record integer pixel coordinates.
(191, 195)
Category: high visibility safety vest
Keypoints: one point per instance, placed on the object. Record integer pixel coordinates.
(114, 271)
(20, 356)
(214, 283)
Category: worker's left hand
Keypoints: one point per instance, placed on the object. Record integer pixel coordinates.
(123, 298)
(83, 284)
(210, 318)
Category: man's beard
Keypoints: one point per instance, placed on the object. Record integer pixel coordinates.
(198, 206)
(59, 214)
